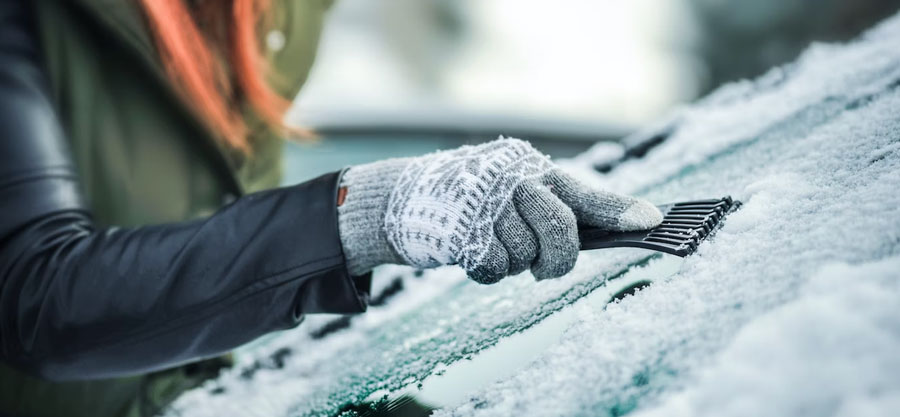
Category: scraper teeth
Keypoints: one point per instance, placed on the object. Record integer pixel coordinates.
(699, 217)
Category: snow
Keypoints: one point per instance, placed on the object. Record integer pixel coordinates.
(792, 309)
(840, 359)
(602, 153)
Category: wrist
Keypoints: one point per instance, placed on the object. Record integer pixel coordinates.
(362, 212)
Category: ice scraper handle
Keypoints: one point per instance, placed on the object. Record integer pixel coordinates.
(495, 209)
(683, 227)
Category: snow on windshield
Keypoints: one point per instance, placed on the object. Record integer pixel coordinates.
(792, 309)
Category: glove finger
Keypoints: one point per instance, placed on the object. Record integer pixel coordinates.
(493, 266)
(603, 209)
(555, 227)
(517, 238)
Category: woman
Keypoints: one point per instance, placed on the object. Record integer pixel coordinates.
(137, 240)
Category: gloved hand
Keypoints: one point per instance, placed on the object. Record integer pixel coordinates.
(495, 209)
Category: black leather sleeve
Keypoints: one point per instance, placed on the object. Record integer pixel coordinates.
(80, 302)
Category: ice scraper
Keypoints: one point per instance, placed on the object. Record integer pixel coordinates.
(684, 226)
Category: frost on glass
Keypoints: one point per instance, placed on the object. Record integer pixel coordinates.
(791, 309)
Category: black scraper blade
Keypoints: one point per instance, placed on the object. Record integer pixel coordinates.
(684, 226)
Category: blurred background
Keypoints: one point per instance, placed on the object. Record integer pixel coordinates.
(405, 77)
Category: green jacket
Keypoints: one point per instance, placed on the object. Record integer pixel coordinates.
(143, 157)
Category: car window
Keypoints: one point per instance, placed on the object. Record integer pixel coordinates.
(810, 148)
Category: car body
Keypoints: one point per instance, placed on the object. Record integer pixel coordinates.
(790, 309)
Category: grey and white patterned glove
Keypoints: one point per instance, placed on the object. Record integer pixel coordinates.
(495, 209)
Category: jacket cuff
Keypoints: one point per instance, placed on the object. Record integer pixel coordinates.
(333, 290)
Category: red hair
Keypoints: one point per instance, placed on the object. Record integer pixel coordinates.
(212, 55)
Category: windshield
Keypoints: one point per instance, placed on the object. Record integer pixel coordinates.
(812, 151)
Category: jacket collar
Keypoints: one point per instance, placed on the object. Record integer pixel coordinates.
(125, 20)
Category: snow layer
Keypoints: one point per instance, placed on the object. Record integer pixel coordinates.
(792, 309)
(831, 351)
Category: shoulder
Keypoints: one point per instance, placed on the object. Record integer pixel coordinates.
(292, 40)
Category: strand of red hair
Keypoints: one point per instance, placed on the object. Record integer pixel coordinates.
(212, 54)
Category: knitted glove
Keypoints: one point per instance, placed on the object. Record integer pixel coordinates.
(495, 209)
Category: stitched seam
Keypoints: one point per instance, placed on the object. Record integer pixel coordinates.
(34, 176)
